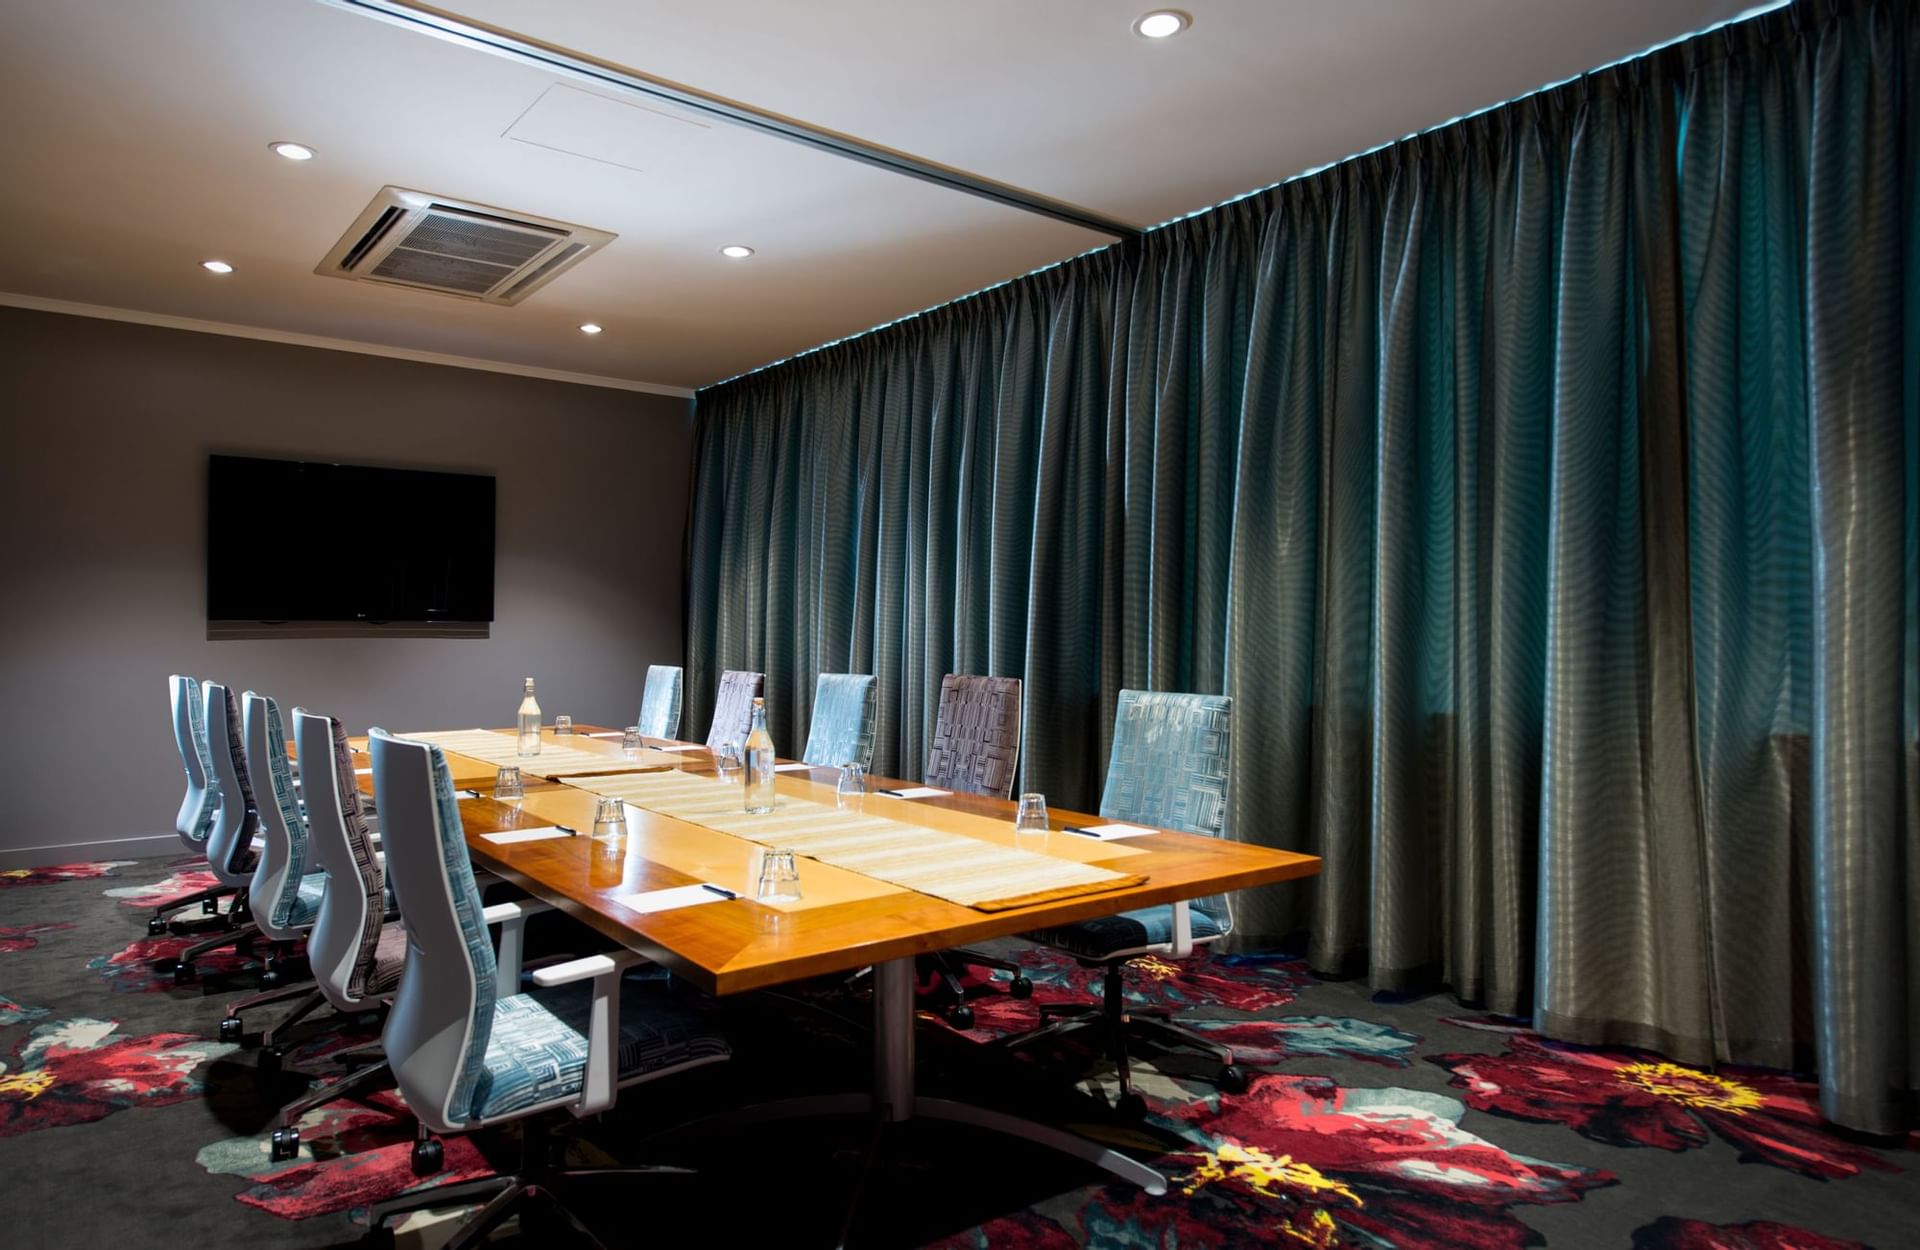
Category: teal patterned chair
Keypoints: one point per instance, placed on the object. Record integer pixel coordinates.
(660, 702)
(733, 707)
(201, 803)
(465, 1049)
(842, 730)
(1168, 769)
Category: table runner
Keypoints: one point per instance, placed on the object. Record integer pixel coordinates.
(952, 866)
(554, 759)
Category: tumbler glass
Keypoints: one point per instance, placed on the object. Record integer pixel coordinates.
(507, 783)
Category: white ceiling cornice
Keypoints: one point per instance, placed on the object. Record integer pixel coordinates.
(198, 326)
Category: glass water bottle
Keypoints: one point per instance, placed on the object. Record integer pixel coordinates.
(529, 723)
(759, 761)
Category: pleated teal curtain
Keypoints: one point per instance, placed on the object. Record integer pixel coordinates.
(1543, 489)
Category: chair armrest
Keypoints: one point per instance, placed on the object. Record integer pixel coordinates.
(602, 1082)
(512, 919)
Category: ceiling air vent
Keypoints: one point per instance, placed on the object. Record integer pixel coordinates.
(432, 243)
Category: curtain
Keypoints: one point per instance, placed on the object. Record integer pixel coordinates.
(1543, 489)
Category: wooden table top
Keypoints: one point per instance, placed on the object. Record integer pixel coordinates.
(845, 920)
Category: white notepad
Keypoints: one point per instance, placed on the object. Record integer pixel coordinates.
(613, 734)
(793, 768)
(524, 835)
(685, 746)
(915, 792)
(679, 896)
(1111, 833)
(361, 772)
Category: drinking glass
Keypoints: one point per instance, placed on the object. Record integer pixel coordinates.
(726, 758)
(609, 818)
(851, 792)
(630, 739)
(507, 783)
(1032, 816)
(779, 878)
(562, 725)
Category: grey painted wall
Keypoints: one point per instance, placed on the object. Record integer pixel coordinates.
(105, 428)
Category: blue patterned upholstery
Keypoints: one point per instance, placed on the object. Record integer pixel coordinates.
(538, 1051)
(1168, 767)
(376, 891)
(1107, 936)
(473, 929)
(976, 735)
(733, 706)
(200, 821)
(660, 703)
(842, 730)
(240, 855)
(292, 909)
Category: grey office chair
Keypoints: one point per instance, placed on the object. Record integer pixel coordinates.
(199, 806)
(842, 729)
(468, 1052)
(230, 849)
(733, 706)
(355, 953)
(660, 702)
(1167, 768)
(975, 749)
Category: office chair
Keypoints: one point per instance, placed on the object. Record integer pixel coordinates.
(199, 806)
(355, 953)
(1168, 768)
(230, 843)
(286, 895)
(660, 702)
(976, 750)
(466, 1051)
(733, 707)
(843, 715)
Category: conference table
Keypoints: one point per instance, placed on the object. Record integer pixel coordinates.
(844, 920)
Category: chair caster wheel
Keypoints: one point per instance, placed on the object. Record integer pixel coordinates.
(230, 1030)
(1132, 1107)
(1021, 987)
(1232, 1079)
(184, 974)
(960, 1016)
(427, 1157)
(286, 1144)
(209, 906)
(157, 927)
(269, 978)
(269, 1065)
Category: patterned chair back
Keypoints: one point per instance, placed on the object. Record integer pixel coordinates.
(436, 1035)
(347, 931)
(733, 706)
(1168, 768)
(660, 702)
(283, 861)
(842, 731)
(195, 820)
(230, 844)
(976, 735)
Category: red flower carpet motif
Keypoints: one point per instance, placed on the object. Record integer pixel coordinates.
(75, 1071)
(161, 892)
(1669, 1233)
(145, 964)
(55, 873)
(1631, 1098)
(24, 937)
(1301, 1160)
(352, 1154)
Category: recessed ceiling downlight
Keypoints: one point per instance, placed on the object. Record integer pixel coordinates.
(216, 266)
(292, 151)
(1162, 23)
(590, 328)
(737, 251)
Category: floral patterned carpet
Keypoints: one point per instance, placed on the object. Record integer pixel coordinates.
(1372, 1121)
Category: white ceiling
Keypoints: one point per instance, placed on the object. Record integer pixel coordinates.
(138, 133)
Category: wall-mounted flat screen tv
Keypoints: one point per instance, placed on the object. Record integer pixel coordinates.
(290, 540)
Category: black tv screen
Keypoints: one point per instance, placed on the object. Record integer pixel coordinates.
(289, 540)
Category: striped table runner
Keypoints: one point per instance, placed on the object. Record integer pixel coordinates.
(554, 760)
(952, 866)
